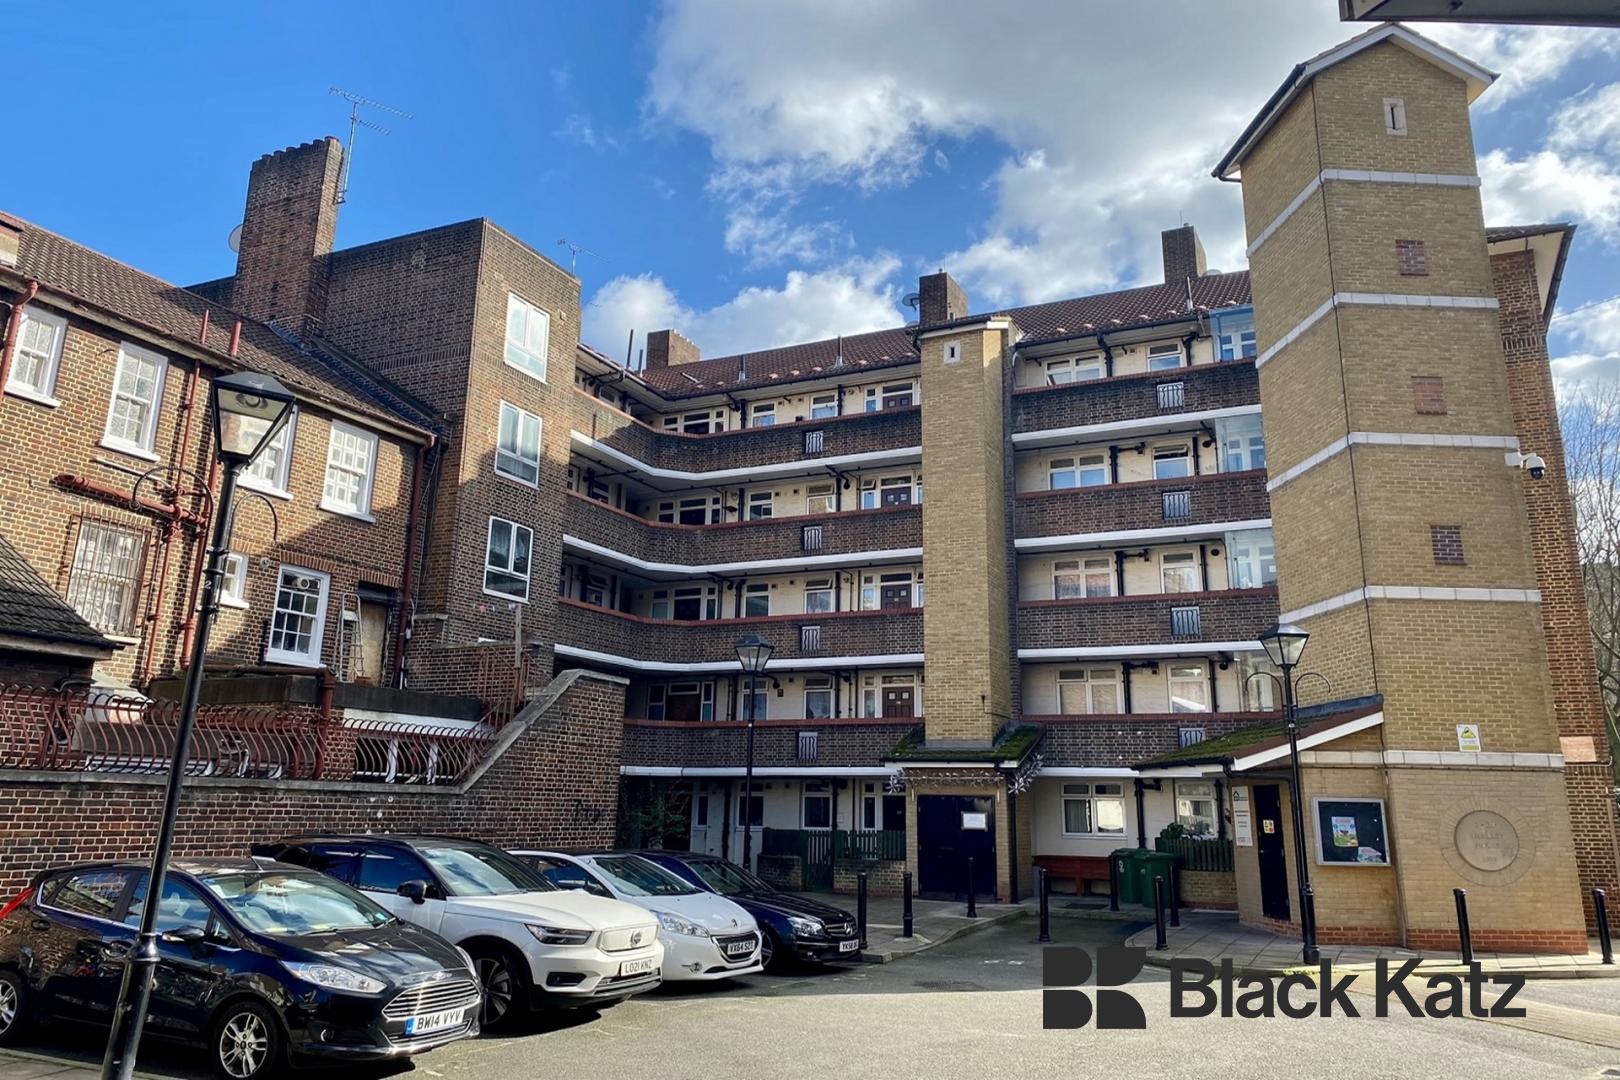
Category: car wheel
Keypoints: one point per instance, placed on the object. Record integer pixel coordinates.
(13, 1004)
(767, 949)
(504, 984)
(247, 1042)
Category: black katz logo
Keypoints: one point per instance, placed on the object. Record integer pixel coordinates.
(1064, 967)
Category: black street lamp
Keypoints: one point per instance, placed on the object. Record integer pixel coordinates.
(249, 409)
(753, 653)
(1285, 643)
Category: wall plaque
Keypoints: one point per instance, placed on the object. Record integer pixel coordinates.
(1487, 841)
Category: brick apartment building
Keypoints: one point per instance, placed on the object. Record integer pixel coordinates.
(474, 505)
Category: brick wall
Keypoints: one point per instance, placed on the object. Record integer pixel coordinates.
(847, 633)
(288, 228)
(1131, 397)
(1122, 740)
(1227, 615)
(1215, 497)
(722, 743)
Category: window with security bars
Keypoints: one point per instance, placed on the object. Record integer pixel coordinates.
(1172, 395)
(1177, 505)
(105, 581)
(812, 538)
(809, 638)
(808, 741)
(815, 442)
(1186, 622)
(1190, 736)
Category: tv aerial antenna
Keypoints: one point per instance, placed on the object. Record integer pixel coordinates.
(356, 122)
(575, 251)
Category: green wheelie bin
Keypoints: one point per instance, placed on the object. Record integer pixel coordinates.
(1124, 860)
(1150, 865)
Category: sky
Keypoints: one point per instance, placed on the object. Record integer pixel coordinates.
(755, 173)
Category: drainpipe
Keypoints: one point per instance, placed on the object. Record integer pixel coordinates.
(1108, 356)
(189, 626)
(13, 328)
(188, 408)
(407, 587)
(1141, 815)
(1119, 573)
(1214, 693)
(1113, 464)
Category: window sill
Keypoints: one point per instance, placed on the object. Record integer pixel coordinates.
(342, 511)
(539, 378)
(129, 449)
(122, 639)
(265, 489)
(524, 599)
(240, 605)
(33, 395)
(305, 662)
(532, 485)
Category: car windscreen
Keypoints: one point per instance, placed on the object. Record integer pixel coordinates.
(294, 905)
(638, 877)
(468, 871)
(726, 879)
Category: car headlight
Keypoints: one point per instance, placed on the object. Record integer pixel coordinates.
(677, 925)
(806, 927)
(466, 958)
(558, 935)
(332, 977)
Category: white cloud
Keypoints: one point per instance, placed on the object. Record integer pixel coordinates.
(807, 306)
(579, 128)
(1587, 344)
(1525, 56)
(1574, 175)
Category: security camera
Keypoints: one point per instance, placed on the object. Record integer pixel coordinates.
(1534, 465)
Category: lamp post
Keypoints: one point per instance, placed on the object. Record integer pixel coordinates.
(753, 653)
(249, 409)
(1284, 644)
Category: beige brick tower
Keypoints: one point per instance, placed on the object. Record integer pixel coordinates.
(1403, 537)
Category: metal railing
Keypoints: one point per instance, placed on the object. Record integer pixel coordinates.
(1177, 505)
(815, 442)
(809, 638)
(813, 538)
(1172, 395)
(1186, 622)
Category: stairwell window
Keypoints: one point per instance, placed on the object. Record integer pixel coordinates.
(506, 559)
(268, 472)
(137, 392)
(1189, 687)
(1075, 579)
(1094, 809)
(351, 456)
(517, 445)
(1084, 691)
(37, 357)
(104, 583)
(1253, 559)
(528, 336)
(298, 623)
(1243, 444)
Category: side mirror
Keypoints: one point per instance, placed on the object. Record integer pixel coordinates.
(414, 890)
(186, 935)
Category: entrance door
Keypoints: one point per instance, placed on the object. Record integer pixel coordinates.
(944, 846)
(896, 596)
(373, 635)
(1269, 843)
(899, 702)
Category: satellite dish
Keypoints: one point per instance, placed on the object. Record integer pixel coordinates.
(911, 300)
(235, 239)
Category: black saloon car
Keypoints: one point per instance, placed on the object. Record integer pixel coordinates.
(262, 963)
(792, 925)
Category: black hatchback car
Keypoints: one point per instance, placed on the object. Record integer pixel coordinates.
(263, 963)
(792, 924)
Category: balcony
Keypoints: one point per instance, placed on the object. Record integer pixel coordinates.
(777, 743)
(671, 643)
(1212, 499)
(837, 437)
(1187, 619)
(1136, 397)
(1119, 740)
(819, 536)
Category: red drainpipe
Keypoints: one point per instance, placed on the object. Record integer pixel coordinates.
(86, 486)
(189, 626)
(13, 328)
(182, 455)
(408, 579)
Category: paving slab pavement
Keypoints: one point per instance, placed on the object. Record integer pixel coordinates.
(933, 923)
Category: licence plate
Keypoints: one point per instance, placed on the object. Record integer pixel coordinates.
(739, 948)
(427, 1023)
(636, 967)
(849, 946)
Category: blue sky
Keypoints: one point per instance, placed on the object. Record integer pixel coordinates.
(757, 173)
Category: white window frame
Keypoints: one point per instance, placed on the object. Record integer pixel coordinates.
(144, 447)
(1084, 566)
(875, 486)
(276, 483)
(764, 501)
(1236, 341)
(818, 685)
(1251, 551)
(824, 406)
(877, 397)
(1171, 451)
(814, 492)
(1088, 793)
(819, 790)
(44, 390)
(1157, 353)
(489, 547)
(1179, 558)
(1172, 680)
(233, 582)
(1091, 679)
(1198, 791)
(519, 418)
(762, 414)
(819, 587)
(362, 509)
(317, 637)
(109, 563)
(527, 360)
(754, 590)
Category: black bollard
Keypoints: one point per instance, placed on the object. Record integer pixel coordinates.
(860, 906)
(1600, 907)
(1175, 897)
(905, 918)
(973, 892)
(1160, 942)
(1044, 887)
(1113, 883)
(1465, 936)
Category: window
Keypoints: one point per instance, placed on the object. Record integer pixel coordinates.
(517, 445)
(180, 907)
(95, 893)
(350, 456)
(1395, 115)
(506, 559)
(700, 811)
(1178, 572)
(38, 355)
(890, 491)
(137, 391)
(1195, 806)
(1164, 357)
(233, 588)
(1189, 688)
(1087, 470)
(1084, 691)
(818, 498)
(885, 591)
(756, 696)
(1235, 341)
(696, 602)
(697, 423)
(701, 510)
(1172, 462)
(818, 697)
(268, 471)
(817, 805)
(660, 604)
(1245, 449)
(762, 414)
(1253, 560)
(299, 621)
(892, 396)
(761, 505)
(1070, 369)
(1073, 579)
(528, 334)
(823, 406)
(595, 591)
(104, 583)
(756, 600)
(1189, 736)
(1096, 809)
(385, 870)
(751, 807)
(818, 595)
(681, 701)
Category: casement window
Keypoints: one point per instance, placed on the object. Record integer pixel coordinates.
(1259, 695)
(595, 590)
(756, 600)
(1195, 806)
(269, 471)
(137, 394)
(699, 510)
(298, 622)
(680, 701)
(528, 336)
(506, 559)
(762, 414)
(1235, 341)
(818, 595)
(761, 505)
(1073, 579)
(751, 806)
(891, 396)
(1164, 357)
(694, 602)
(659, 608)
(756, 695)
(824, 406)
(1252, 560)
(1094, 809)
(1189, 687)
(1085, 470)
(819, 498)
(1071, 369)
(517, 445)
(1084, 691)
(105, 583)
(707, 422)
(1243, 443)
(1172, 461)
(38, 355)
(233, 586)
(890, 491)
(1178, 572)
(351, 457)
(817, 805)
(818, 697)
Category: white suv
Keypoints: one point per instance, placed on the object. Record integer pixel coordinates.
(531, 943)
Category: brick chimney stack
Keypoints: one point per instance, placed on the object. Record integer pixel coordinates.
(667, 348)
(1183, 255)
(288, 228)
(941, 300)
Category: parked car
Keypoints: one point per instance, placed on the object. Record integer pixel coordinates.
(792, 925)
(533, 944)
(262, 963)
(705, 936)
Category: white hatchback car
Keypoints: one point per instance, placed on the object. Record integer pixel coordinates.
(531, 943)
(705, 935)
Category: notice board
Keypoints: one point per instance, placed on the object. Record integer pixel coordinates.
(1350, 832)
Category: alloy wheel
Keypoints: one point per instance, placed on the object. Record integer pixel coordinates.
(495, 978)
(767, 949)
(244, 1044)
(8, 1005)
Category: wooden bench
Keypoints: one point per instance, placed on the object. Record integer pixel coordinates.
(1076, 869)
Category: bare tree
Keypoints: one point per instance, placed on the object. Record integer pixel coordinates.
(1590, 418)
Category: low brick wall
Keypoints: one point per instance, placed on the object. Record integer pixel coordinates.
(1225, 615)
(1213, 497)
(1208, 889)
(1130, 397)
(782, 871)
(882, 878)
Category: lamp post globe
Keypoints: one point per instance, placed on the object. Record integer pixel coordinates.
(249, 409)
(753, 653)
(1285, 644)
